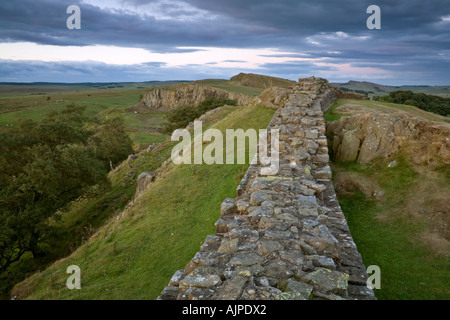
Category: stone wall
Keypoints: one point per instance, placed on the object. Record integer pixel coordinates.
(283, 236)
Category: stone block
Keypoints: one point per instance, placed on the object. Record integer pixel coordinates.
(329, 281)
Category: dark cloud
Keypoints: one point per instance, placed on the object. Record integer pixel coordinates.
(71, 72)
(414, 39)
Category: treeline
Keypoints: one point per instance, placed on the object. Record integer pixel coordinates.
(366, 93)
(44, 165)
(180, 117)
(422, 101)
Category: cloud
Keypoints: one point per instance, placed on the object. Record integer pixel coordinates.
(183, 33)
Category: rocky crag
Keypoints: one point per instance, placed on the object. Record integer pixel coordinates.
(168, 98)
(369, 134)
(283, 236)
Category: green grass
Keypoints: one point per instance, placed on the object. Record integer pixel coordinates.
(135, 257)
(145, 138)
(387, 236)
(35, 107)
(332, 115)
(231, 86)
(143, 128)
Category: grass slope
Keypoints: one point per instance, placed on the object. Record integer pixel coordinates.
(389, 235)
(397, 231)
(134, 258)
(334, 112)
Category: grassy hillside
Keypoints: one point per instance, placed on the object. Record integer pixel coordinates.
(259, 81)
(398, 216)
(347, 107)
(249, 84)
(134, 257)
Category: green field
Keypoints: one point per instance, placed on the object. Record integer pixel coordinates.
(143, 128)
(334, 113)
(45, 89)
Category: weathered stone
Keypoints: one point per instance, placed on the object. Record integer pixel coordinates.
(233, 288)
(194, 293)
(201, 259)
(304, 289)
(211, 243)
(323, 246)
(321, 158)
(228, 207)
(224, 225)
(200, 281)
(260, 196)
(278, 270)
(242, 205)
(175, 280)
(291, 295)
(266, 247)
(315, 186)
(293, 256)
(321, 261)
(245, 259)
(328, 280)
(308, 212)
(228, 245)
(307, 201)
(143, 180)
(350, 146)
(306, 248)
(277, 235)
(169, 293)
(244, 233)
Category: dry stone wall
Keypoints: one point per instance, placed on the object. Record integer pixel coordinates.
(283, 237)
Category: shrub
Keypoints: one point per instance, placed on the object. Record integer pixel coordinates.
(180, 117)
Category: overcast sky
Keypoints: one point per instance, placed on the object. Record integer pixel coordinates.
(143, 40)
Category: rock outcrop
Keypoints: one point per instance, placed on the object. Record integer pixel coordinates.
(371, 134)
(277, 97)
(164, 99)
(284, 236)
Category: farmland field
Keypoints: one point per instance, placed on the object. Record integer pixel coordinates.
(27, 101)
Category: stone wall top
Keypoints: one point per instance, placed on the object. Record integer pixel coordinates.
(283, 236)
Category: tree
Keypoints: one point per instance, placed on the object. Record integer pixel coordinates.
(180, 117)
(43, 167)
(423, 101)
(111, 143)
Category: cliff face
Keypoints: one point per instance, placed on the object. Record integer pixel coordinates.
(164, 99)
(368, 135)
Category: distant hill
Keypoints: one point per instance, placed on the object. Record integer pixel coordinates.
(260, 81)
(45, 88)
(375, 89)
